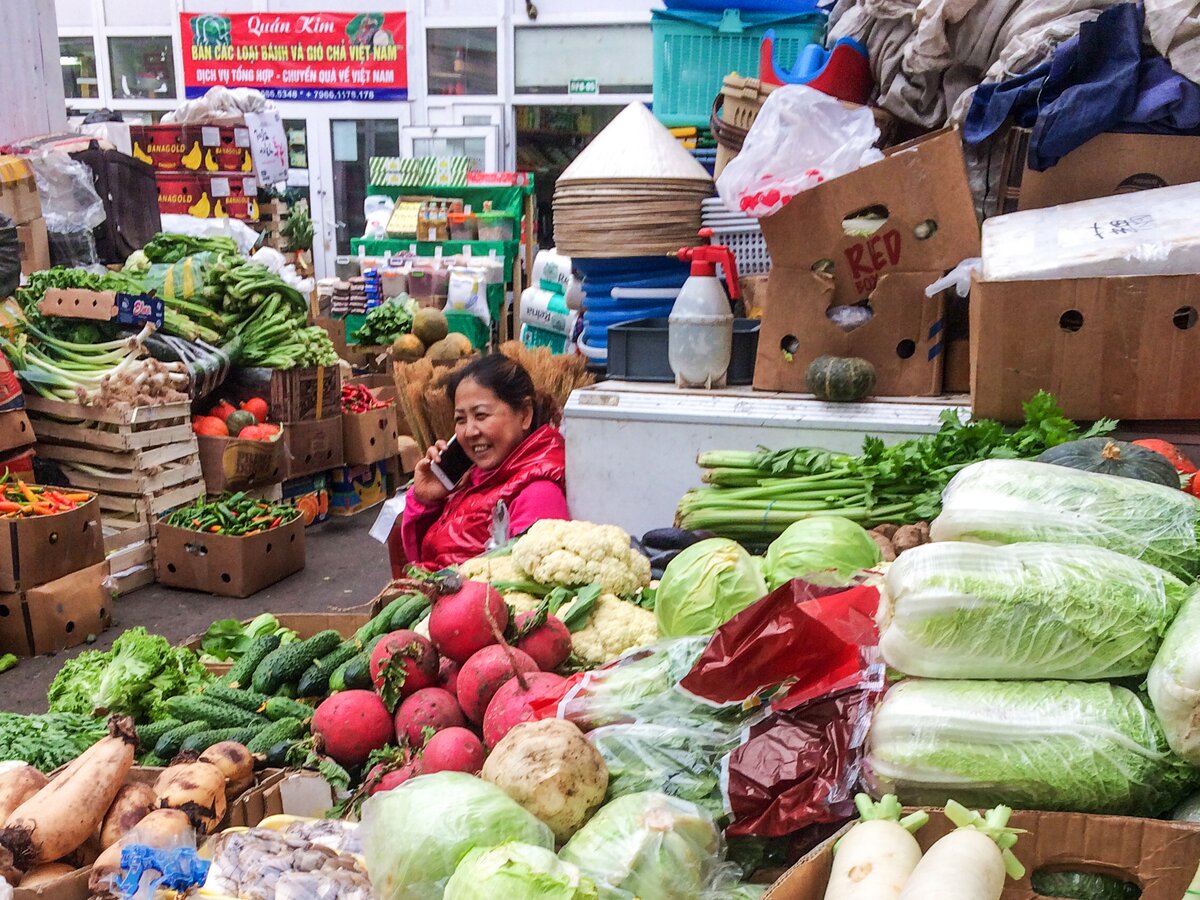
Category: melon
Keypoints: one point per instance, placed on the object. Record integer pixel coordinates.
(430, 325)
(407, 348)
(450, 348)
(239, 420)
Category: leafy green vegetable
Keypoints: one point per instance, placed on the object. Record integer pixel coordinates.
(47, 741)
(8, 661)
(1009, 501)
(958, 610)
(1052, 745)
(1174, 682)
(705, 586)
(517, 871)
(387, 322)
(134, 678)
(1083, 886)
(228, 639)
(827, 551)
(579, 613)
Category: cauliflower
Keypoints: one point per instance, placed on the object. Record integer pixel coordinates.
(615, 627)
(491, 569)
(522, 602)
(574, 554)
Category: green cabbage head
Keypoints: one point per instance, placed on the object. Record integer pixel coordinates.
(705, 586)
(415, 836)
(649, 846)
(517, 871)
(824, 550)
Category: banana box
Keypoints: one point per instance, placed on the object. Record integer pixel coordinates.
(229, 196)
(192, 148)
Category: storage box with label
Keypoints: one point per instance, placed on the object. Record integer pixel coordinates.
(311, 447)
(231, 464)
(192, 148)
(369, 437)
(909, 217)
(18, 190)
(353, 489)
(34, 242)
(229, 566)
(59, 614)
(292, 395)
(40, 549)
(232, 196)
(310, 494)
(1159, 857)
(1108, 164)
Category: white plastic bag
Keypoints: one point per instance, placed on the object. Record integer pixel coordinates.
(800, 139)
(468, 293)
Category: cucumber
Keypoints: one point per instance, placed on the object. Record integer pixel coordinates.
(277, 756)
(197, 708)
(148, 735)
(337, 678)
(282, 708)
(241, 698)
(149, 760)
(283, 730)
(407, 615)
(288, 691)
(168, 744)
(243, 669)
(202, 740)
(315, 680)
(357, 676)
(379, 624)
(287, 664)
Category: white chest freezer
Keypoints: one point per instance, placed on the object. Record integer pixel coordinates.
(632, 446)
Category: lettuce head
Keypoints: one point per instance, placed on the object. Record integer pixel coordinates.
(823, 550)
(517, 871)
(705, 586)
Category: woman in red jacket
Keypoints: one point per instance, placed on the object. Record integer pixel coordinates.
(509, 432)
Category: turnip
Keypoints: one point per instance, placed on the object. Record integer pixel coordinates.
(970, 862)
(432, 708)
(452, 750)
(875, 858)
(484, 673)
(462, 624)
(514, 701)
(549, 644)
(401, 664)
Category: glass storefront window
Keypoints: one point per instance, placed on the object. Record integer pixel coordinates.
(143, 68)
(462, 61)
(602, 59)
(77, 56)
(355, 141)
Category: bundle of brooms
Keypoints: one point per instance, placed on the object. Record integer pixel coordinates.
(421, 387)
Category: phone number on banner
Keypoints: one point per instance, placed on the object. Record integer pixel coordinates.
(321, 94)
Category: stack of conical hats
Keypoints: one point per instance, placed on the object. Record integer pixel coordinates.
(633, 191)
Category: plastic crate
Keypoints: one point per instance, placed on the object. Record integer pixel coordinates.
(694, 51)
(637, 351)
(748, 246)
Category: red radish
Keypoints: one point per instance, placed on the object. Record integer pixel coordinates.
(513, 703)
(453, 750)
(548, 645)
(433, 708)
(482, 675)
(462, 624)
(352, 724)
(448, 675)
(396, 777)
(257, 407)
(401, 664)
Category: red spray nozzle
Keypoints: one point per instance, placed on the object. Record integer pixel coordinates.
(704, 260)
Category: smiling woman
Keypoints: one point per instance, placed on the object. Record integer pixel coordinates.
(508, 433)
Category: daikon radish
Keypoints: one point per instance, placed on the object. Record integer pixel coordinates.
(970, 862)
(875, 858)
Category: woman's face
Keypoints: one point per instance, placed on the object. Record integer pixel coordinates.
(487, 428)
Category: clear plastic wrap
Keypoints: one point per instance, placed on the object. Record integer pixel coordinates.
(1174, 682)
(67, 189)
(960, 610)
(1004, 501)
(1052, 745)
(262, 864)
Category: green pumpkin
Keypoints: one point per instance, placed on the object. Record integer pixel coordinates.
(239, 420)
(840, 379)
(1108, 457)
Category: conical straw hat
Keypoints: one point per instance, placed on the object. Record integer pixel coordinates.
(634, 146)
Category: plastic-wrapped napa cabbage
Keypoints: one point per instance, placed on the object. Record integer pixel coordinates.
(1174, 682)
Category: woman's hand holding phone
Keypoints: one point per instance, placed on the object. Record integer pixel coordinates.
(427, 487)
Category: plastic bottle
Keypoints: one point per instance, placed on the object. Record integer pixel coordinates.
(700, 328)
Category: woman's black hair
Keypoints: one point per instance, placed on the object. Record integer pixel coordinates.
(510, 381)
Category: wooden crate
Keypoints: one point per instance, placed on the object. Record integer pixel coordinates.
(130, 554)
(273, 215)
(141, 462)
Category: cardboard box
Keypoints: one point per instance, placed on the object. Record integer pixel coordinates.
(16, 430)
(230, 464)
(193, 148)
(410, 454)
(34, 241)
(58, 614)
(233, 196)
(382, 386)
(229, 566)
(305, 625)
(1107, 164)
(18, 190)
(286, 792)
(41, 549)
(903, 339)
(929, 227)
(1157, 855)
(1119, 347)
(369, 437)
(353, 489)
(310, 494)
(311, 447)
(292, 395)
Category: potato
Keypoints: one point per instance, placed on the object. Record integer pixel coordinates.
(197, 789)
(132, 803)
(887, 530)
(162, 828)
(551, 770)
(887, 553)
(906, 538)
(44, 874)
(236, 764)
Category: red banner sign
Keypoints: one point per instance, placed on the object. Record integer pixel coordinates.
(298, 56)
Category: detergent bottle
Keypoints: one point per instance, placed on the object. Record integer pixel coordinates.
(700, 329)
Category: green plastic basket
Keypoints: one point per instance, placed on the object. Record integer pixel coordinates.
(694, 51)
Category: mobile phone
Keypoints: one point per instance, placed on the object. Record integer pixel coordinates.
(453, 466)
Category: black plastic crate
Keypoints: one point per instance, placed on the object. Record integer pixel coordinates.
(637, 351)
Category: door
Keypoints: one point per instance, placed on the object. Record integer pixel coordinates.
(480, 143)
(353, 143)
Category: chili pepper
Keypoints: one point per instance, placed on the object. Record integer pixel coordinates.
(9, 507)
(24, 489)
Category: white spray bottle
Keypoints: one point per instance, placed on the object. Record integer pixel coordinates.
(700, 330)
